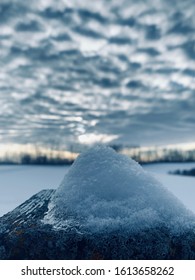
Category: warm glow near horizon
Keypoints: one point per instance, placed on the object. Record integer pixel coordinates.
(16, 150)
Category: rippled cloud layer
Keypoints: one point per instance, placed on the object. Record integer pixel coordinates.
(107, 70)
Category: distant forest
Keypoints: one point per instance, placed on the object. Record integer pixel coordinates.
(163, 155)
(28, 159)
(141, 155)
(184, 172)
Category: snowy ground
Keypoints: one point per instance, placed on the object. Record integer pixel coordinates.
(18, 183)
(182, 186)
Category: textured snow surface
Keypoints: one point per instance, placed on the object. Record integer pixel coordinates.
(107, 191)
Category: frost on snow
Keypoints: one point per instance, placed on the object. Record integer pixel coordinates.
(106, 191)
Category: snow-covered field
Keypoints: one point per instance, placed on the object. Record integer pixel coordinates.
(182, 186)
(18, 183)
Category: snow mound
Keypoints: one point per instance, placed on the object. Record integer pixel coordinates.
(106, 191)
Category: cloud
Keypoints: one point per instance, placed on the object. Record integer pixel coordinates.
(120, 69)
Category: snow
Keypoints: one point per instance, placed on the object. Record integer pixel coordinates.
(104, 190)
(19, 183)
(183, 187)
(164, 168)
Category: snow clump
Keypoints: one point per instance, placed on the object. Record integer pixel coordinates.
(107, 191)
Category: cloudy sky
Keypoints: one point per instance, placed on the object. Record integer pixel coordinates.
(103, 70)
